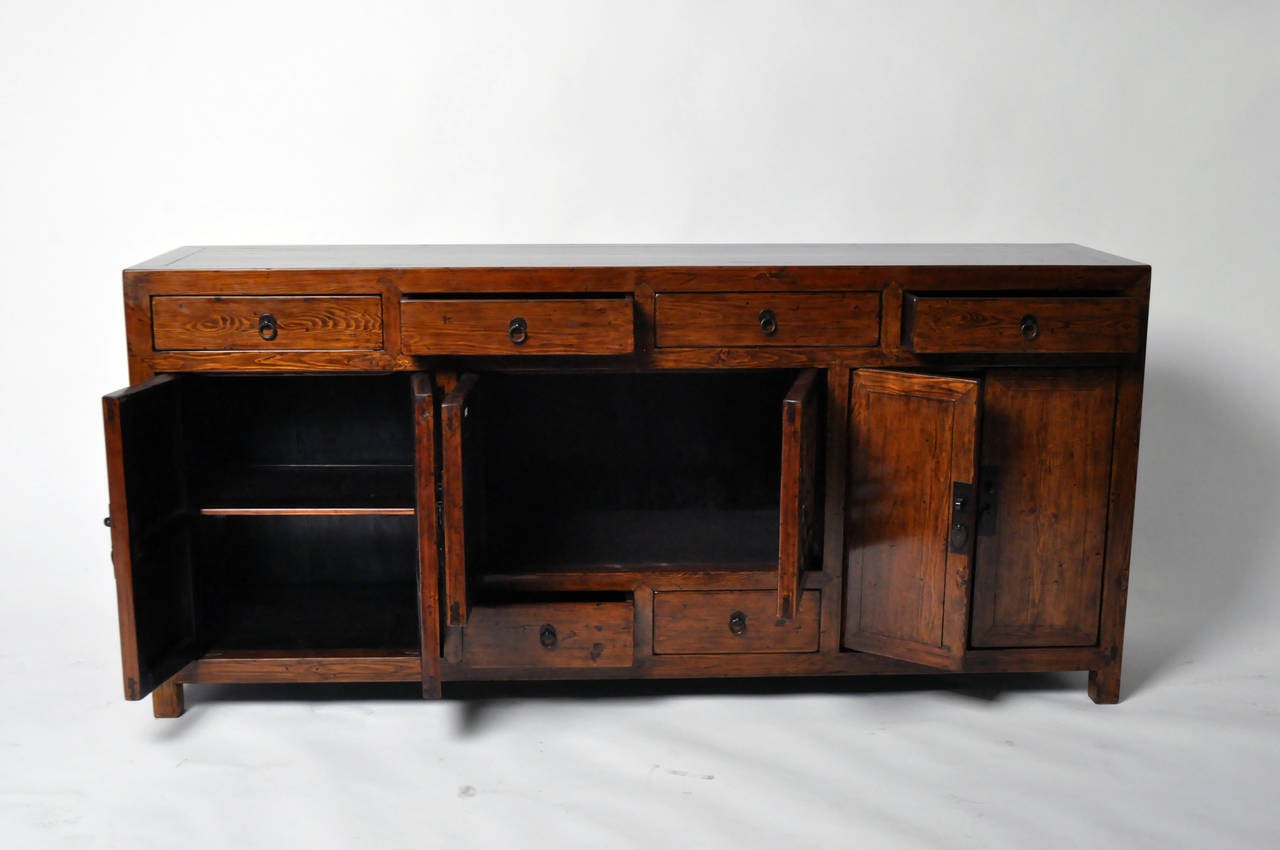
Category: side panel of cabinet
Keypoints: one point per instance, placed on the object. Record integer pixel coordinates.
(1046, 465)
(150, 532)
(911, 440)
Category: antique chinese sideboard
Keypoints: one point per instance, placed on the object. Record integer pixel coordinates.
(447, 463)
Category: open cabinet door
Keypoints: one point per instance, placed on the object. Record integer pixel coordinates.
(455, 427)
(796, 499)
(428, 510)
(909, 516)
(150, 533)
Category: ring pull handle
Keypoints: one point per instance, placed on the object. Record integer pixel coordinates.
(547, 636)
(518, 330)
(737, 624)
(267, 327)
(1029, 327)
(768, 322)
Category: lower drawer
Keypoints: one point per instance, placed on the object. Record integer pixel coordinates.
(687, 622)
(556, 634)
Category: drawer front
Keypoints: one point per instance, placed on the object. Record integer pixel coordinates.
(252, 323)
(1013, 325)
(517, 326)
(559, 634)
(687, 622)
(741, 319)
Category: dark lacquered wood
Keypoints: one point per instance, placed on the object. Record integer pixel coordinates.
(582, 634)
(910, 438)
(426, 476)
(797, 501)
(1046, 441)
(699, 621)
(301, 323)
(1021, 325)
(453, 431)
(150, 547)
(335, 665)
(717, 320)
(577, 326)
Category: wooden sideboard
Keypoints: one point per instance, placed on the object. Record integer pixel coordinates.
(447, 463)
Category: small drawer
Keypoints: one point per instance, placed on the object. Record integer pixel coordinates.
(517, 326)
(742, 319)
(556, 634)
(253, 323)
(686, 622)
(1017, 325)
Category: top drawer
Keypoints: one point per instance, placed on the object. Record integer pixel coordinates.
(278, 323)
(945, 324)
(517, 326)
(743, 319)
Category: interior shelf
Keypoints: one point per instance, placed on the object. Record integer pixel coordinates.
(291, 489)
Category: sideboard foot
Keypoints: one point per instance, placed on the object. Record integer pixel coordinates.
(166, 700)
(1104, 684)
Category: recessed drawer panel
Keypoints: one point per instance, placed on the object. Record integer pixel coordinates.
(253, 323)
(517, 326)
(556, 634)
(1017, 325)
(687, 622)
(738, 319)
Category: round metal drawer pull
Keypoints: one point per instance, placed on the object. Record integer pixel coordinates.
(738, 624)
(1029, 328)
(547, 636)
(267, 327)
(768, 322)
(518, 330)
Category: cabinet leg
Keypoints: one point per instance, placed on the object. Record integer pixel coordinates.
(166, 700)
(1104, 684)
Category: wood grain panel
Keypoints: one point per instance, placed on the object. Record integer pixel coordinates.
(453, 433)
(726, 320)
(1046, 439)
(944, 324)
(587, 634)
(696, 621)
(303, 323)
(430, 621)
(354, 665)
(575, 326)
(797, 502)
(910, 438)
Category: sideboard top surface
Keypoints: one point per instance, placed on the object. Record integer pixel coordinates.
(320, 257)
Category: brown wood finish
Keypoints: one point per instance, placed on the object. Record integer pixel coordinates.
(645, 514)
(797, 502)
(576, 326)
(718, 320)
(910, 438)
(453, 428)
(557, 634)
(358, 665)
(1046, 456)
(425, 478)
(298, 323)
(1021, 325)
(690, 622)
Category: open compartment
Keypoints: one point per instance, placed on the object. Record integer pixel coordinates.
(601, 474)
(261, 514)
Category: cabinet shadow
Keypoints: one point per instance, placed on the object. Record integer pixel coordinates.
(1206, 504)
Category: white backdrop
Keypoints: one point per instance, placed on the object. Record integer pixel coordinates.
(1149, 130)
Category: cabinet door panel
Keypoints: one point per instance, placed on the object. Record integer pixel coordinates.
(911, 439)
(1046, 458)
(797, 499)
(460, 506)
(150, 533)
